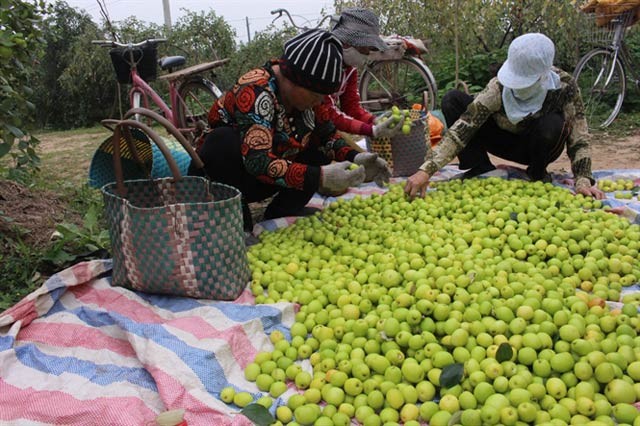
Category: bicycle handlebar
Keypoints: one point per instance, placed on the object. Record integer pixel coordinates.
(111, 43)
(286, 12)
(281, 11)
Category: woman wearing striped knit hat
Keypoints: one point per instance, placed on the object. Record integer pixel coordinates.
(266, 140)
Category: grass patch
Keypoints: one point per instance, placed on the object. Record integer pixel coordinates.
(56, 220)
(625, 125)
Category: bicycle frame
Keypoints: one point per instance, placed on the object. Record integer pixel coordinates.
(141, 90)
(619, 50)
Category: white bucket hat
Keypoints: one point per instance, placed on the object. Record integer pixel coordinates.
(530, 57)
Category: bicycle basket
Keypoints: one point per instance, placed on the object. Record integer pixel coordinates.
(601, 20)
(146, 59)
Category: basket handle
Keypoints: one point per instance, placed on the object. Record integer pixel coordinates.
(109, 123)
(171, 129)
(123, 128)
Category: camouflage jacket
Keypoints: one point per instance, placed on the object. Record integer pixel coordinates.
(488, 103)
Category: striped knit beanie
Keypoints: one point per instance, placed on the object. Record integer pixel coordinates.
(313, 60)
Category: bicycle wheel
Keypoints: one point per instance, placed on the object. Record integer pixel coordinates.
(196, 96)
(602, 81)
(401, 82)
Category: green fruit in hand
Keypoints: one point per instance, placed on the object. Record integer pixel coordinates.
(353, 166)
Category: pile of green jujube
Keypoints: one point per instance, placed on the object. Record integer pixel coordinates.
(624, 189)
(484, 303)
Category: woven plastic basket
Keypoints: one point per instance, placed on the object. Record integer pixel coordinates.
(180, 236)
(404, 153)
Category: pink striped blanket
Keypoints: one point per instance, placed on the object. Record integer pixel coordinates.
(78, 351)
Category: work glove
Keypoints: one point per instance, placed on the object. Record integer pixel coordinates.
(375, 168)
(336, 178)
(386, 126)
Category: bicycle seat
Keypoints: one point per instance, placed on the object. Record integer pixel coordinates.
(169, 62)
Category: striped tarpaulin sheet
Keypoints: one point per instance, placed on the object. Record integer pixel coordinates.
(78, 351)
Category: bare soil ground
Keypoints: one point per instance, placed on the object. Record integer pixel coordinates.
(30, 214)
(607, 152)
(66, 158)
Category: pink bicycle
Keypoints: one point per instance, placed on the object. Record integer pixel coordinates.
(190, 94)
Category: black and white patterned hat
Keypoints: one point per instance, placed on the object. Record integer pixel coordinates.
(359, 27)
(313, 60)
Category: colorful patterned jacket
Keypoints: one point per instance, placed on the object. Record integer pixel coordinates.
(488, 103)
(343, 107)
(271, 137)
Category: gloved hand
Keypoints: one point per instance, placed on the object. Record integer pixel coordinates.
(336, 178)
(376, 169)
(386, 126)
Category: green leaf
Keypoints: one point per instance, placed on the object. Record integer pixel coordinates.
(455, 419)
(4, 148)
(66, 229)
(504, 353)
(258, 414)
(14, 130)
(91, 219)
(451, 375)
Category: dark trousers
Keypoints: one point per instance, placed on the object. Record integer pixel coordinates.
(223, 162)
(539, 145)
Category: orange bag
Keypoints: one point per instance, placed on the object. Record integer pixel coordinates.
(436, 129)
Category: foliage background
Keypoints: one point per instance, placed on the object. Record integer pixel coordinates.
(74, 85)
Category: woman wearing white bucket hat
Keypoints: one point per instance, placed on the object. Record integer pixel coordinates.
(527, 114)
